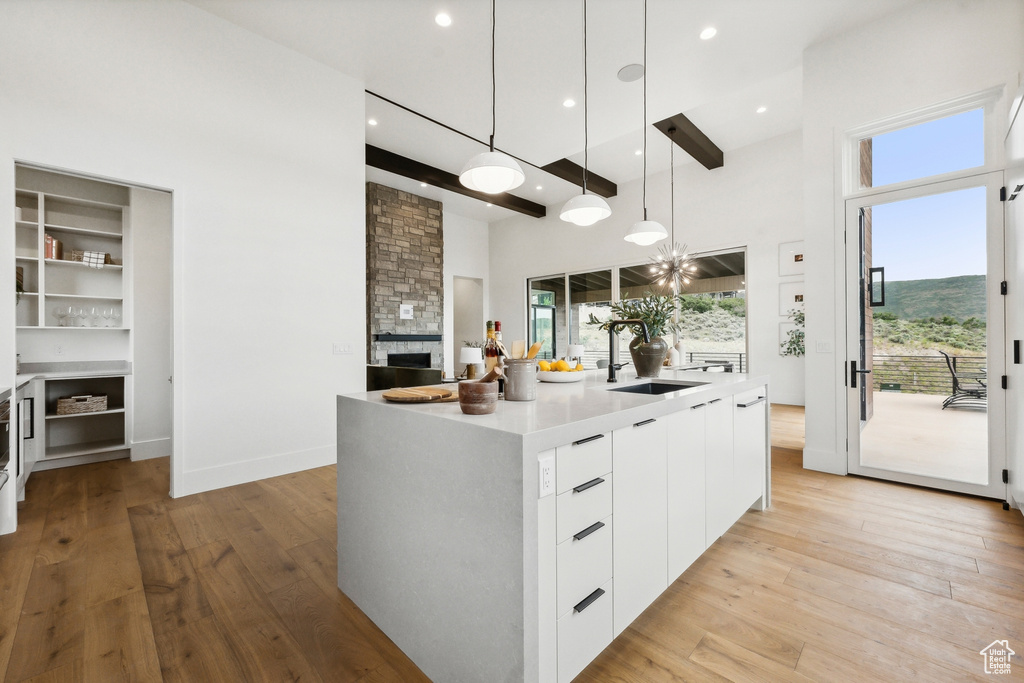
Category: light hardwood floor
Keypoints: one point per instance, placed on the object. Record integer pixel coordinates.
(844, 579)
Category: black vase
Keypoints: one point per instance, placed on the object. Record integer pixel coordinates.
(648, 356)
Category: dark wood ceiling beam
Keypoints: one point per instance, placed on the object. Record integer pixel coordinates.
(572, 172)
(416, 170)
(692, 140)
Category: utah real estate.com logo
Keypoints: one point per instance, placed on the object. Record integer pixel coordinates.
(997, 657)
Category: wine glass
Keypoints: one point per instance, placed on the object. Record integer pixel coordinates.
(81, 315)
(94, 317)
(60, 316)
(116, 316)
(107, 314)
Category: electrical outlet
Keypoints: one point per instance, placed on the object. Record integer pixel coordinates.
(341, 349)
(405, 311)
(547, 475)
(58, 349)
(823, 347)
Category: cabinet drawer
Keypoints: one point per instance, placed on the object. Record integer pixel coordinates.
(579, 507)
(582, 460)
(583, 635)
(749, 399)
(583, 564)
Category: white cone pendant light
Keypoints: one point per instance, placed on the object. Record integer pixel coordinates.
(585, 209)
(492, 172)
(645, 232)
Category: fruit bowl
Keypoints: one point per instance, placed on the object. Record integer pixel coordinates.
(555, 376)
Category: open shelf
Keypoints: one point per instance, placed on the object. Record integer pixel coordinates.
(80, 264)
(95, 412)
(86, 448)
(19, 257)
(82, 296)
(82, 231)
(80, 329)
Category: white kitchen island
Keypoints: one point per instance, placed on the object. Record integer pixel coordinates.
(515, 546)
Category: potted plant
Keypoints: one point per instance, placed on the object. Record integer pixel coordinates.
(794, 343)
(656, 311)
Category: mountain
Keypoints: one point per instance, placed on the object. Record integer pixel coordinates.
(961, 297)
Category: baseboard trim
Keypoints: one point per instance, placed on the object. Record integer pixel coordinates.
(824, 461)
(154, 448)
(209, 479)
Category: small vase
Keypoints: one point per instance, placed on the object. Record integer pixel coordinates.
(648, 356)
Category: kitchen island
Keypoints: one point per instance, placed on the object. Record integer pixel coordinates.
(515, 546)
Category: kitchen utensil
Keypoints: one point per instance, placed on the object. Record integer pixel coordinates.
(415, 394)
(478, 398)
(518, 348)
(520, 379)
(535, 349)
(493, 375)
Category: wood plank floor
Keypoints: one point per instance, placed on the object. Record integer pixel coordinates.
(844, 579)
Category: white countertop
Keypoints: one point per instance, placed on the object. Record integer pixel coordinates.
(566, 411)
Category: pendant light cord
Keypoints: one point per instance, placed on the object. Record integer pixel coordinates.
(493, 86)
(672, 182)
(586, 120)
(645, 110)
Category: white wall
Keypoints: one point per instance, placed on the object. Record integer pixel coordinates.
(928, 53)
(263, 150)
(466, 244)
(753, 201)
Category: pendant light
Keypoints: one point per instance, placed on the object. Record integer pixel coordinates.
(645, 232)
(585, 209)
(492, 172)
(673, 265)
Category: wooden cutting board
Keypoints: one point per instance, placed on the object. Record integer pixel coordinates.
(416, 394)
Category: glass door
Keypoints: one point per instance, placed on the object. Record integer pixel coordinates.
(925, 350)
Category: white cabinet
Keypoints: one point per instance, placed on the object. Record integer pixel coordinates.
(84, 434)
(584, 525)
(685, 488)
(641, 518)
(721, 509)
(750, 419)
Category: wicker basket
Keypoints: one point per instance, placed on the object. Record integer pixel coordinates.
(72, 405)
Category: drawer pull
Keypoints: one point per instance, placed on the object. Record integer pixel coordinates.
(588, 601)
(699, 405)
(588, 439)
(589, 485)
(589, 530)
(644, 422)
(714, 400)
(750, 403)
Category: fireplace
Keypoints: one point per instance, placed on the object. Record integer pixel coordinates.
(409, 360)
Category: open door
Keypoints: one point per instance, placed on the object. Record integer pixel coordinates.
(925, 338)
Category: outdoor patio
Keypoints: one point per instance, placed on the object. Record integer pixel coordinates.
(912, 433)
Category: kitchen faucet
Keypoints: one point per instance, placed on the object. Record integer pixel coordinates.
(612, 365)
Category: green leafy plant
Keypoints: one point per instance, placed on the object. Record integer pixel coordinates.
(654, 309)
(794, 344)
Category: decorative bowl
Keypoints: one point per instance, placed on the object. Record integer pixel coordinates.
(553, 376)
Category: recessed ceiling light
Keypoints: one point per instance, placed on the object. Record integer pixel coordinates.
(540, 187)
(489, 205)
(762, 109)
(631, 72)
(372, 122)
(569, 102)
(708, 33)
(443, 19)
(639, 152)
(423, 184)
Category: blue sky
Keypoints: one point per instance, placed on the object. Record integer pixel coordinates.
(939, 235)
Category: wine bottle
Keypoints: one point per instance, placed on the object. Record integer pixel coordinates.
(490, 348)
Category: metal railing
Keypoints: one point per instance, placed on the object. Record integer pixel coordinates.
(738, 360)
(921, 374)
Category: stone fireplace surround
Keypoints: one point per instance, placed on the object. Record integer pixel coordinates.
(404, 265)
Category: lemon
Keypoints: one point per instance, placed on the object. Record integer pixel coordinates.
(579, 367)
(544, 366)
(561, 366)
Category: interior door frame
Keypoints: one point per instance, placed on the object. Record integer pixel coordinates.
(995, 329)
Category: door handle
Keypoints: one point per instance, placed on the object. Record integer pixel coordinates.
(854, 372)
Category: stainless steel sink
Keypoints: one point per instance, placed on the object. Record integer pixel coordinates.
(656, 388)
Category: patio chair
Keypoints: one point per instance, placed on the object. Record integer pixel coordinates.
(969, 389)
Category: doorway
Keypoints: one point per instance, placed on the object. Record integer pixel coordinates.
(925, 335)
(467, 313)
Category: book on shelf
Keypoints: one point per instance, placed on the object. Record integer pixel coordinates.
(53, 248)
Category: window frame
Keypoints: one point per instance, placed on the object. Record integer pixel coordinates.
(985, 100)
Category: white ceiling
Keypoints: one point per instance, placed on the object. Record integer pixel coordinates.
(397, 50)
